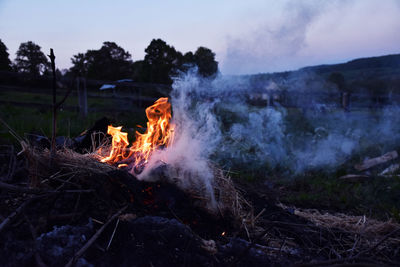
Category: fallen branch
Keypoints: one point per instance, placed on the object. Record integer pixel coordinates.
(354, 177)
(12, 216)
(369, 163)
(19, 189)
(36, 191)
(112, 236)
(93, 239)
(391, 169)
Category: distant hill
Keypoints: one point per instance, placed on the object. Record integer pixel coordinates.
(376, 75)
(388, 62)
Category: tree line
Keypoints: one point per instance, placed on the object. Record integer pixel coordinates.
(111, 62)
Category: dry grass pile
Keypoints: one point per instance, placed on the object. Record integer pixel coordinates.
(350, 223)
(66, 162)
(69, 166)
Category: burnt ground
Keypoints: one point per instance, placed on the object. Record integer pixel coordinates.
(114, 219)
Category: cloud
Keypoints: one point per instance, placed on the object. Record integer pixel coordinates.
(315, 32)
(268, 47)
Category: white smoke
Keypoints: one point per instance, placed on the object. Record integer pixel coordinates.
(196, 136)
(215, 123)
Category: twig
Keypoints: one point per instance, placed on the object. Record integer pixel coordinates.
(64, 98)
(21, 208)
(112, 236)
(12, 216)
(11, 163)
(36, 191)
(20, 189)
(93, 239)
(11, 130)
(379, 242)
(356, 257)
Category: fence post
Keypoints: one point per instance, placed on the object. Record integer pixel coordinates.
(82, 97)
(345, 101)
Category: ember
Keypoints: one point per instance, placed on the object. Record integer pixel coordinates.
(159, 133)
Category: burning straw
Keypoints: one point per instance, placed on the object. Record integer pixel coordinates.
(84, 169)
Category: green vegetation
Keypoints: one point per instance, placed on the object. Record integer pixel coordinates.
(375, 197)
(112, 62)
(5, 62)
(30, 119)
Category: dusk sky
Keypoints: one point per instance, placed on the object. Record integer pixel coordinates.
(247, 36)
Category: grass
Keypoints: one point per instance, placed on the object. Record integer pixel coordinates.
(27, 119)
(376, 197)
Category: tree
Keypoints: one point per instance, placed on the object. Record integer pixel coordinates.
(30, 59)
(205, 61)
(79, 63)
(161, 61)
(141, 71)
(5, 63)
(110, 62)
(188, 61)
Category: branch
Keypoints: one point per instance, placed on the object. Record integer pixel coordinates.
(11, 217)
(36, 191)
(93, 239)
(21, 208)
(64, 98)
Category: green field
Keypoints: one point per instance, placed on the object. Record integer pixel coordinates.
(376, 197)
(27, 118)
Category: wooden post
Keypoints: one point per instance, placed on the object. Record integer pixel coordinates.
(53, 134)
(55, 105)
(84, 100)
(82, 96)
(345, 101)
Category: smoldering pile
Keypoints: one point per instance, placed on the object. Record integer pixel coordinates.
(71, 209)
(181, 210)
(70, 197)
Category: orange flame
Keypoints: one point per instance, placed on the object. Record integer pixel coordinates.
(159, 133)
(118, 144)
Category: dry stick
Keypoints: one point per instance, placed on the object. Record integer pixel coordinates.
(53, 134)
(11, 217)
(379, 242)
(55, 104)
(358, 256)
(93, 239)
(20, 189)
(112, 236)
(18, 211)
(11, 164)
(36, 191)
(11, 131)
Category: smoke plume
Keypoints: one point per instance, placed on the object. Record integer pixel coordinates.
(216, 123)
